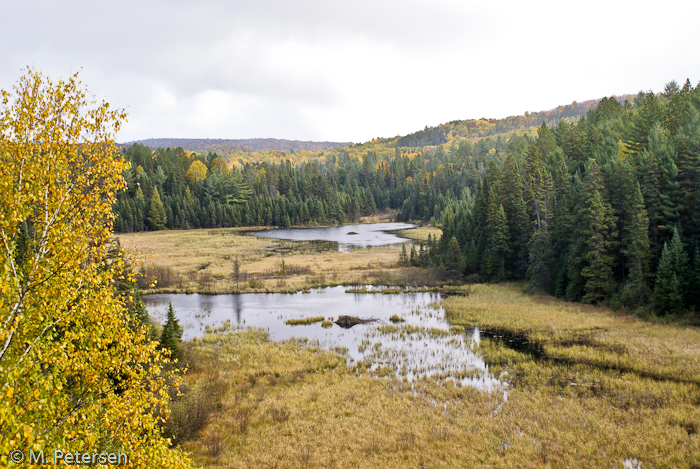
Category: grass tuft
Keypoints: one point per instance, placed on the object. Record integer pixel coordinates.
(304, 321)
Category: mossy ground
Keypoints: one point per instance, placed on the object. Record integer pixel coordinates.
(611, 387)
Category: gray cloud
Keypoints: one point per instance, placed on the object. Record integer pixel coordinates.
(343, 70)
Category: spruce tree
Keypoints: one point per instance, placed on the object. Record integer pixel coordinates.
(454, 262)
(403, 257)
(540, 259)
(171, 336)
(694, 297)
(636, 251)
(519, 226)
(414, 256)
(598, 256)
(497, 231)
(670, 288)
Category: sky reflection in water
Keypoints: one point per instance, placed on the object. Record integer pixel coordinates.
(348, 237)
(421, 346)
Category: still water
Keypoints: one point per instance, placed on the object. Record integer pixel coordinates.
(423, 346)
(348, 237)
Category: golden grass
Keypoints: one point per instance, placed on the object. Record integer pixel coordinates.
(613, 387)
(420, 233)
(203, 261)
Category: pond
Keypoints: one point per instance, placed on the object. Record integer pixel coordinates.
(348, 237)
(423, 345)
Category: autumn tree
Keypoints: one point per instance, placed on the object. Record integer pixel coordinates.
(75, 373)
(196, 173)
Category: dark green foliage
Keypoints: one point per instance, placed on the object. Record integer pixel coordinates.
(403, 257)
(454, 262)
(497, 234)
(539, 269)
(156, 213)
(588, 206)
(670, 289)
(171, 336)
(636, 251)
(413, 261)
(597, 273)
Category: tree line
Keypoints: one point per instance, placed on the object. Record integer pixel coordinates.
(175, 189)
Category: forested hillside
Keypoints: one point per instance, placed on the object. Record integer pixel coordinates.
(606, 209)
(602, 208)
(227, 147)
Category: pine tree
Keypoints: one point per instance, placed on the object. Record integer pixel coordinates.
(171, 336)
(671, 287)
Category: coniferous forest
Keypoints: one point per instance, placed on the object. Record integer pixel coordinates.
(602, 208)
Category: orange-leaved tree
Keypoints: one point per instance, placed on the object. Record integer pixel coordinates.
(76, 372)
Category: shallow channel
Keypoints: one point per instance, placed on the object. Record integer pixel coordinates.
(424, 345)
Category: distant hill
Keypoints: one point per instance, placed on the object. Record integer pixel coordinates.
(229, 146)
(449, 135)
(477, 128)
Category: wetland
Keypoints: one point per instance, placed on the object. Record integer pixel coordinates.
(422, 345)
(490, 377)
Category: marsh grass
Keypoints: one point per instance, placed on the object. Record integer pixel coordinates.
(202, 261)
(304, 321)
(612, 387)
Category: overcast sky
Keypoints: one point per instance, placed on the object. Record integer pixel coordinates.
(345, 71)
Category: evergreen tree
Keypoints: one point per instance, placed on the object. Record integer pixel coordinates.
(171, 336)
(597, 274)
(414, 256)
(519, 227)
(636, 251)
(454, 262)
(403, 257)
(497, 233)
(694, 297)
(156, 213)
(540, 259)
(670, 288)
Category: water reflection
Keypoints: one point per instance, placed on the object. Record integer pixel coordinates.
(347, 237)
(423, 345)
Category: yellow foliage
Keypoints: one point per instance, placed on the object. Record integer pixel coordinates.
(75, 374)
(218, 165)
(196, 172)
